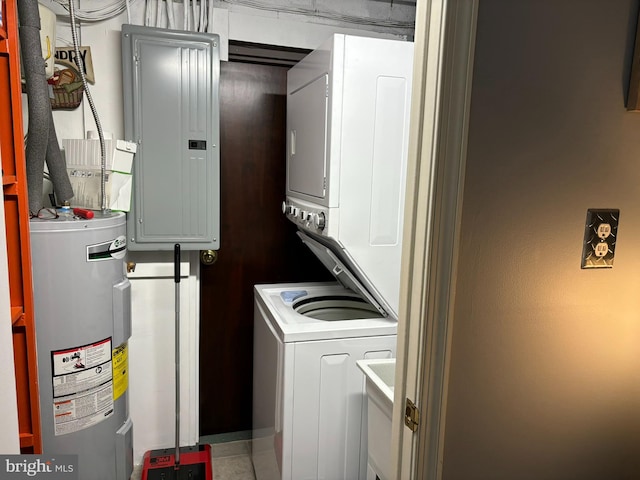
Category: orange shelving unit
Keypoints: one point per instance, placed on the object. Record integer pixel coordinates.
(16, 206)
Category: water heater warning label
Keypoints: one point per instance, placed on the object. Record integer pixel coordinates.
(120, 370)
(82, 386)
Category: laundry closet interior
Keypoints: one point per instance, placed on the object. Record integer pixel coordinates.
(258, 240)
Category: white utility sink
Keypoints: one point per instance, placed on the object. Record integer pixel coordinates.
(380, 375)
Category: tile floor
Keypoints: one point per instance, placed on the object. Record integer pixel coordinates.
(230, 460)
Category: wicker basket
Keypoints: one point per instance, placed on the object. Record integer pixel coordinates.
(66, 100)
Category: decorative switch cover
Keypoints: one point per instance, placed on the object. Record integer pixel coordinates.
(600, 237)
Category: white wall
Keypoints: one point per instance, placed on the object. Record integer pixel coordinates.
(151, 345)
(545, 356)
(9, 434)
(151, 350)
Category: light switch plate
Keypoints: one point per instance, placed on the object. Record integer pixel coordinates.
(600, 237)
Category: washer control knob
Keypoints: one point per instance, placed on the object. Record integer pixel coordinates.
(319, 220)
(303, 215)
(285, 207)
(293, 211)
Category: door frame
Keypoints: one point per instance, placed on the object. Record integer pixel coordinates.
(443, 67)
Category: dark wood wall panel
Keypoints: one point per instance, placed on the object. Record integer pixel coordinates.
(258, 244)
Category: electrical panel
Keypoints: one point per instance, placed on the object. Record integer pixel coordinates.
(171, 110)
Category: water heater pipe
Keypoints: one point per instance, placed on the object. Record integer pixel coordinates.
(42, 142)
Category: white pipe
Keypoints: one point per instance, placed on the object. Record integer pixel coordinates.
(170, 17)
(210, 21)
(195, 15)
(158, 13)
(147, 17)
(185, 10)
(203, 4)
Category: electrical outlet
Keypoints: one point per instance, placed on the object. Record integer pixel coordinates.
(600, 237)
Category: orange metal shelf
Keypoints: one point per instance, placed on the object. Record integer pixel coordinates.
(9, 185)
(16, 315)
(27, 441)
(16, 205)
(8, 180)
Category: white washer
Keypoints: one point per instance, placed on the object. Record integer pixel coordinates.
(309, 403)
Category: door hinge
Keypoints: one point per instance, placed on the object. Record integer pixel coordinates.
(411, 415)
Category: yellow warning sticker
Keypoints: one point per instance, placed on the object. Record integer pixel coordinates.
(120, 361)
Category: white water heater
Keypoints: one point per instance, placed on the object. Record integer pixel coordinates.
(83, 321)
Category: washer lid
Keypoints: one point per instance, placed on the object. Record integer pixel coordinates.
(342, 266)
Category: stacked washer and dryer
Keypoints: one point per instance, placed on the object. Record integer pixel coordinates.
(348, 105)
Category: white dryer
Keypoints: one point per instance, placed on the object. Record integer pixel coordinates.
(348, 112)
(309, 403)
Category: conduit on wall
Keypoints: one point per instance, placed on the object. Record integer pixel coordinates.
(94, 111)
(101, 12)
(160, 13)
(197, 15)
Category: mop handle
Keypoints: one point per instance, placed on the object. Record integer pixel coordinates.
(176, 279)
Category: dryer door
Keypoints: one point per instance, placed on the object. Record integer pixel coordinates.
(307, 140)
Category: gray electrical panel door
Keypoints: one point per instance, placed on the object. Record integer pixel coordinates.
(171, 110)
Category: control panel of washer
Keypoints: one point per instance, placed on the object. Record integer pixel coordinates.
(305, 215)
